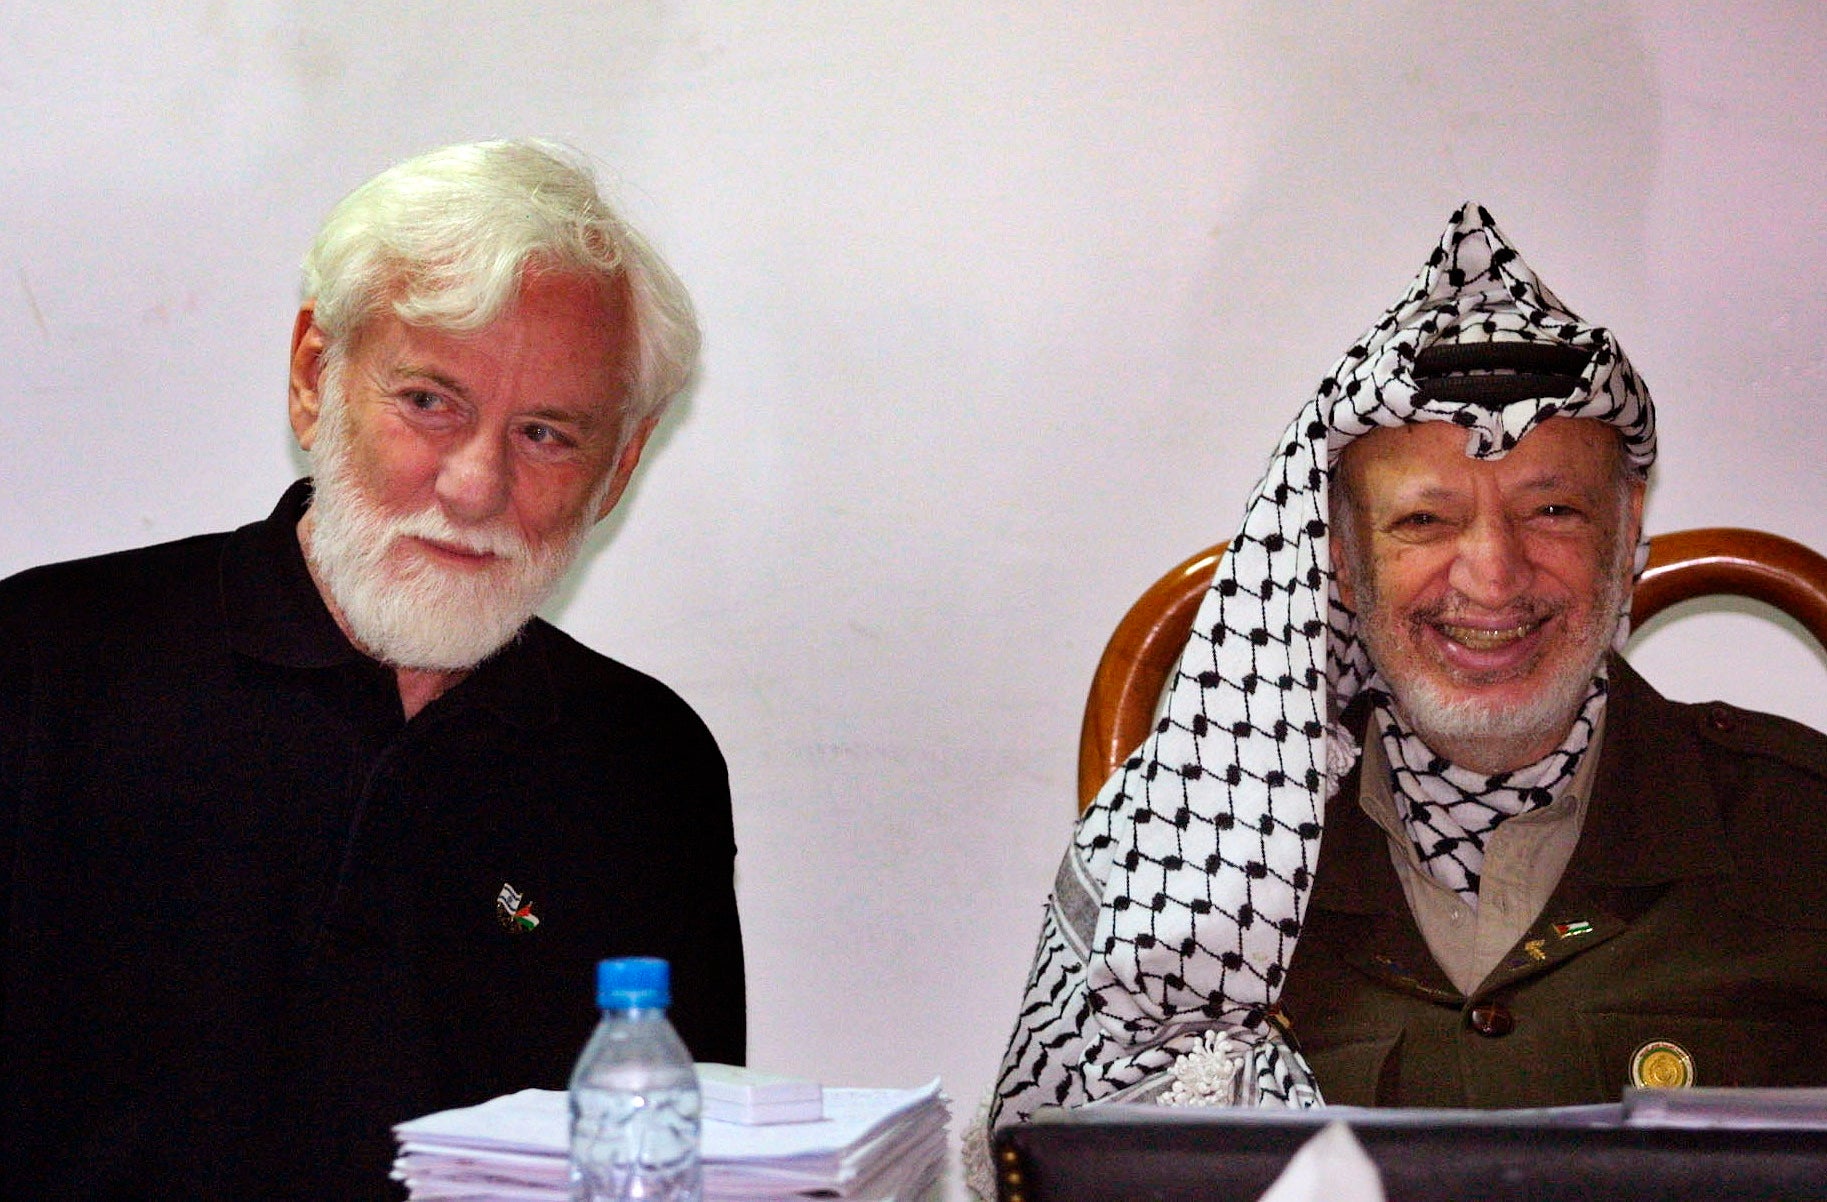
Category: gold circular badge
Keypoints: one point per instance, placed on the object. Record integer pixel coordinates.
(1660, 1064)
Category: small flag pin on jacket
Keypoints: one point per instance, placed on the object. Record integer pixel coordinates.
(514, 911)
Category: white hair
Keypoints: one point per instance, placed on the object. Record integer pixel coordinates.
(447, 238)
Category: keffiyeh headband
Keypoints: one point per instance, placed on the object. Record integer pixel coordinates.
(1178, 904)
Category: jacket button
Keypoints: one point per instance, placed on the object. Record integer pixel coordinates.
(1720, 718)
(1493, 1019)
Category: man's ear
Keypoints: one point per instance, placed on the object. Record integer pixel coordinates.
(304, 405)
(1639, 486)
(1341, 525)
(625, 463)
(1341, 569)
(1339, 532)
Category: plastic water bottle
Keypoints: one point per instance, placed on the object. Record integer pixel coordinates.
(634, 1095)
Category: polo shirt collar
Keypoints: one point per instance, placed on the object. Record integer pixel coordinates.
(273, 613)
(516, 683)
(271, 608)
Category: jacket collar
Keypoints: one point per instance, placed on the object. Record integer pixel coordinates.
(1652, 818)
(1358, 876)
(273, 614)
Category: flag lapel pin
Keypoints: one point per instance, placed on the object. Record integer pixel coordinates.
(514, 911)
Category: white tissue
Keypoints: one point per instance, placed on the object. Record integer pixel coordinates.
(1330, 1167)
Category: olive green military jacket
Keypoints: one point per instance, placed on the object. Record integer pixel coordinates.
(1693, 913)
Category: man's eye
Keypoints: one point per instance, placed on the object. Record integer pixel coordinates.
(1418, 520)
(425, 402)
(540, 434)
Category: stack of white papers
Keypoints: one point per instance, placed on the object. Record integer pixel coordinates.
(873, 1145)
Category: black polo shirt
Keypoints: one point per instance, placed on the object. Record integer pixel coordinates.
(253, 916)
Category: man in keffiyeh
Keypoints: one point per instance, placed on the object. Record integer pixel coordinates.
(1408, 830)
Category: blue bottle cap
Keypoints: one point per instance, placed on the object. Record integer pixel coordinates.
(633, 983)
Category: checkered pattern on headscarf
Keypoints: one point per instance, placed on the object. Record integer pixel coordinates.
(1181, 896)
(1450, 811)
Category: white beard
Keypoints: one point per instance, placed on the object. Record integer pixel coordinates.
(400, 606)
(1503, 733)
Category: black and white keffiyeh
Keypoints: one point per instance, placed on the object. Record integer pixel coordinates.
(1176, 909)
(1450, 811)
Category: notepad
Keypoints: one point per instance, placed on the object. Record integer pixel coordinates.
(754, 1099)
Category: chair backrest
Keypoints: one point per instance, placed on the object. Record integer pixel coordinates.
(1683, 565)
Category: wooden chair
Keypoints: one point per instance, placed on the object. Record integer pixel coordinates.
(1682, 566)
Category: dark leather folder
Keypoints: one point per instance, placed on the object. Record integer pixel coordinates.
(1591, 1152)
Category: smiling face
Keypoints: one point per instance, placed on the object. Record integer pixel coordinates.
(1487, 591)
(456, 474)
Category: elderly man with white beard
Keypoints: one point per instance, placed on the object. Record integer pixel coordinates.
(313, 827)
(1408, 831)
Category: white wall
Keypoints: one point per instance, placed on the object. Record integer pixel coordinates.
(1006, 304)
